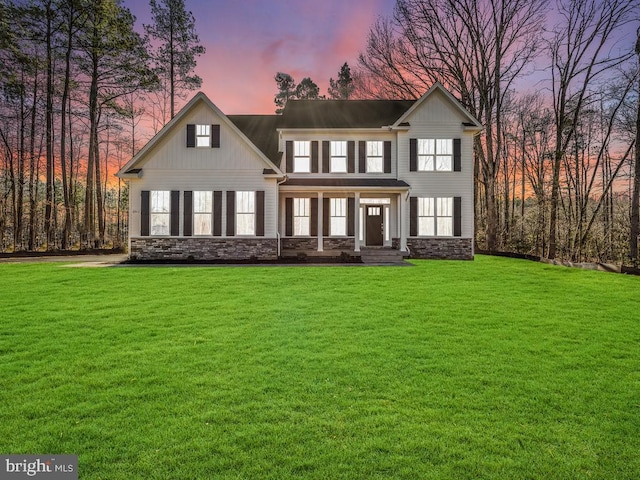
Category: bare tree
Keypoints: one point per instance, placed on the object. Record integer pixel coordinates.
(635, 198)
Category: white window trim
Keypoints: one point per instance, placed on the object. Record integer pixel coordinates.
(159, 213)
(437, 215)
(203, 136)
(338, 157)
(302, 216)
(301, 156)
(435, 155)
(379, 157)
(205, 213)
(333, 206)
(248, 213)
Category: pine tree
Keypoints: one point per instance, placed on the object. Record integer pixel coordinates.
(343, 88)
(173, 28)
(286, 90)
(307, 90)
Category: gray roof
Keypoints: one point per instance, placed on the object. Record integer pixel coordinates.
(262, 131)
(346, 182)
(343, 113)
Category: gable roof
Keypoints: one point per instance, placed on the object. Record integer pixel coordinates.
(438, 87)
(262, 131)
(343, 113)
(133, 165)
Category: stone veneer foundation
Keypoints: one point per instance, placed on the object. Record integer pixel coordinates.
(440, 248)
(186, 248)
(344, 244)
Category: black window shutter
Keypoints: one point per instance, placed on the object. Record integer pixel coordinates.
(326, 216)
(387, 156)
(217, 213)
(457, 155)
(326, 168)
(174, 228)
(231, 213)
(362, 156)
(351, 212)
(413, 154)
(289, 155)
(260, 213)
(215, 136)
(313, 218)
(144, 214)
(187, 225)
(314, 156)
(288, 217)
(413, 216)
(191, 135)
(457, 216)
(351, 156)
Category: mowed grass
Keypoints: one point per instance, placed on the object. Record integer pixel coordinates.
(496, 368)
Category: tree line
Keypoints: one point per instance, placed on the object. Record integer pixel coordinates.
(557, 170)
(77, 80)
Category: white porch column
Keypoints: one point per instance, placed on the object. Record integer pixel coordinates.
(357, 223)
(320, 225)
(402, 219)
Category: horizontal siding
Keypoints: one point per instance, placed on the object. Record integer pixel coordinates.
(206, 180)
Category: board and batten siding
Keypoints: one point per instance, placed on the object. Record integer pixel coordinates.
(437, 118)
(337, 135)
(234, 166)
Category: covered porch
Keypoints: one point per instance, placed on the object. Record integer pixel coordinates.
(337, 217)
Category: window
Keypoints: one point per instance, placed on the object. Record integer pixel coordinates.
(301, 216)
(338, 157)
(203, 135)
(202, 212)
(160, 212)
(301, 157)
(435, 155)
(435, 217)
(245, 213)
(374, 157)
(338, 213)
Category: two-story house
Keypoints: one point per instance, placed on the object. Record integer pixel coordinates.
(327, 177)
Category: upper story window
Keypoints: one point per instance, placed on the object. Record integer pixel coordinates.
(160, 211)
(301, 157)
(202, 212)
(435, 216)
(435, 155)
(374, 157)
(301, 216)
(245, 213)
(203, 135)
(339, 157)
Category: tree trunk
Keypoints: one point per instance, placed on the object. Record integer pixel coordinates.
(635, 197)
(48, 213)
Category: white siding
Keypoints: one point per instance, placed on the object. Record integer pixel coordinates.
(170, 165)
(436, 117)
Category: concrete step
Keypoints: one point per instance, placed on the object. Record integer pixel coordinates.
(381, 255)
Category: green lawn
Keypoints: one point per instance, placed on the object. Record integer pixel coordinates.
(496, 368)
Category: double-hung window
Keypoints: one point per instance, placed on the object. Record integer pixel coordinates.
(203, 135)
(202, 212)
(301, 157)
(374, 157)
(160, 212)
(245, 213)
(435, 155)
(339, 157)
(435, 216)
(338, 217)
(301, 216)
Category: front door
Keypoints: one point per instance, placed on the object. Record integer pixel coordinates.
(374, 226)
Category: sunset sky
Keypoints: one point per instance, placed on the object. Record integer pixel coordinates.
(249, 41)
